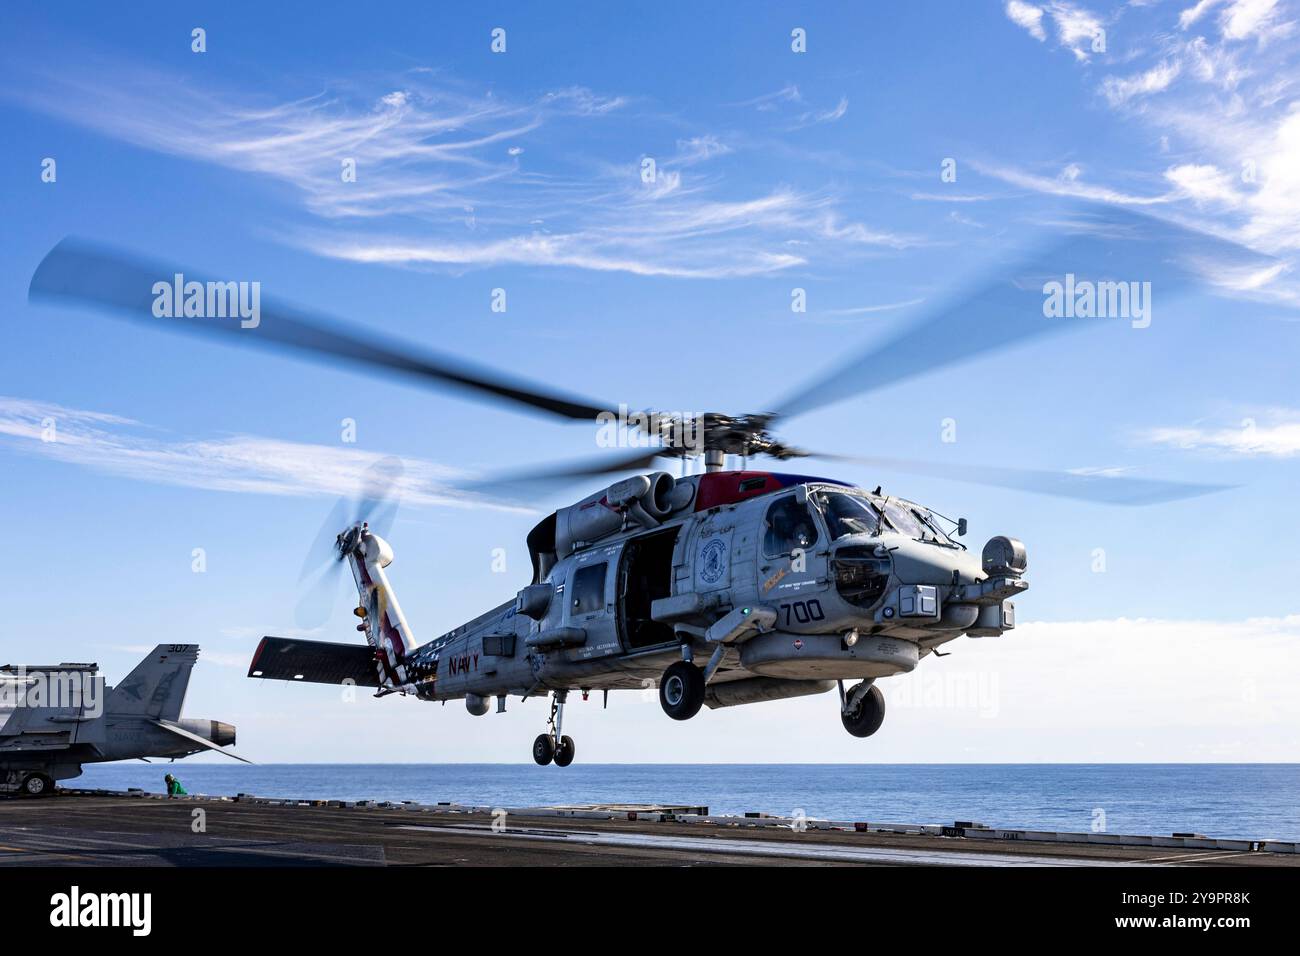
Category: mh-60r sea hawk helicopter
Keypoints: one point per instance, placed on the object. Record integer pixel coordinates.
(780, 585)
(725, 588)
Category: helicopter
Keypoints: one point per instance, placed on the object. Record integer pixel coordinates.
(725, 588)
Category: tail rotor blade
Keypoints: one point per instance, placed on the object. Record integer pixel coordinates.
(377, 504)
(322, 549)
(320, 597)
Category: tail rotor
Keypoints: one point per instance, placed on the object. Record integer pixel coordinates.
(375, 509)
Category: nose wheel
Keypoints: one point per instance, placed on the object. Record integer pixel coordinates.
(544, 749)
(552, 746)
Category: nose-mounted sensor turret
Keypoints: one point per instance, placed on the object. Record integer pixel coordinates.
(1004, 557)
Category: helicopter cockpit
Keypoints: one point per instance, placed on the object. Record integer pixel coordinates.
(849, 512)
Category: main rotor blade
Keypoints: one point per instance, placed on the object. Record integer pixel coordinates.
(560, 474)
(1106, 245)
(88, 274)
(1082, 486)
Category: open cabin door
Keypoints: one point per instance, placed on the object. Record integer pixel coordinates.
(645, 574)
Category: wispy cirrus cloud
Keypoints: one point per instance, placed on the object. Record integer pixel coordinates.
(767, 102)
(1076, 27)
(1274, 433)
(851, 314)
(1028, 16)
(952, 197)
(832, 115)
(1253, 18)
(1120, 90)
(243, 464)
(1204, 183)
(448, 177)
(1222, 91)
(700, 238)
(417, 148)
(1067, 183)
(784, 100)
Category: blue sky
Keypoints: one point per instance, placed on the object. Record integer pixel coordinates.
(775, 170)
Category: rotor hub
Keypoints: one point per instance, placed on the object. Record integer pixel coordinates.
(720, 434)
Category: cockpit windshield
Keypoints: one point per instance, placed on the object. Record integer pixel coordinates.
(854, 514)
(904, 519)
(913, 521)
(847, 514)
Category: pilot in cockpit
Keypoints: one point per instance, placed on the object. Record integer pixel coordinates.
(789, 526)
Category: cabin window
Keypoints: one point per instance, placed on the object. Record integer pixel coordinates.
(788, 526)
(587, 594)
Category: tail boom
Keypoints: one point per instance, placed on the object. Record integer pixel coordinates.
(383, 623)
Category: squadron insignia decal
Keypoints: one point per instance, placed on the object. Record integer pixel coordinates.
(713, 561)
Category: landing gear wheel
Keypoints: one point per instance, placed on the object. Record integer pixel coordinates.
(564, 752)
(544, 749)
(865, 719)
(681, 690)
(37, 785)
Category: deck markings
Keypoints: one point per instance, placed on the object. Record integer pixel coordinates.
(837, 853)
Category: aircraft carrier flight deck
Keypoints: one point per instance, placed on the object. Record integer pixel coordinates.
(103, 828)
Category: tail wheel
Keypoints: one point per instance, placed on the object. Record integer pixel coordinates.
(564, 752)
(681, 690)
(37, 785)
(865, 719)
(544, 749)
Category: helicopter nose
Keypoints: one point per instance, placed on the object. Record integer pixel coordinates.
(918, 563)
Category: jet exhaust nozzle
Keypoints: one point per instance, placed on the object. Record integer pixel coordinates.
(219, 732)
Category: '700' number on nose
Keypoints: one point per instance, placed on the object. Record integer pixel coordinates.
(803, 611)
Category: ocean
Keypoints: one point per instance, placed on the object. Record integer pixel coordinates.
(1253, 801)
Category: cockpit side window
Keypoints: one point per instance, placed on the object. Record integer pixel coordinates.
(788, 526)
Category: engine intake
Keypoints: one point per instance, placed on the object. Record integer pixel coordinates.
(644, 499)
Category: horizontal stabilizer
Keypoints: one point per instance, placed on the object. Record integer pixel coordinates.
(314, 662)
(195, 738)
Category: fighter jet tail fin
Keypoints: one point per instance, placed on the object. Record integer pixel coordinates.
(157, 686)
